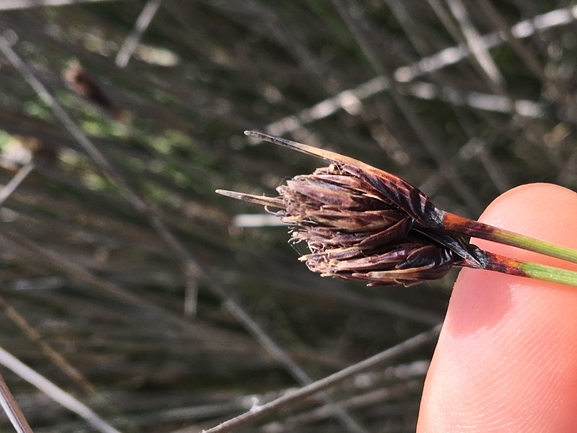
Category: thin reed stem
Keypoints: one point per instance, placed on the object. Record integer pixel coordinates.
(458, 224)
(55, 393)
(11, 186)
(508, 265)
(12, 410)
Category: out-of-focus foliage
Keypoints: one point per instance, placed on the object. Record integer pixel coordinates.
(447, 104)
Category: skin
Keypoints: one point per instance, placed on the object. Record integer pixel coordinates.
(506, 360)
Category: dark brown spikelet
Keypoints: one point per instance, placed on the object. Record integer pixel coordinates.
(361, 223)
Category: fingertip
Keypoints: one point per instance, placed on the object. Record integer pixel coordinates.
(507, 355)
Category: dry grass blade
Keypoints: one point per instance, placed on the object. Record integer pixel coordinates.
(25, 4)
(15, 181)
(12, 410)
(57, 394)
(52, 354)
(143, 21)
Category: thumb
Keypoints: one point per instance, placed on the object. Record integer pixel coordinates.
(506, 360)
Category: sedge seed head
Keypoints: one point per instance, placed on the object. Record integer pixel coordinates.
(361, 223)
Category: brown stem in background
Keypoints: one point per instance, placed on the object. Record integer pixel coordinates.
(12, 410)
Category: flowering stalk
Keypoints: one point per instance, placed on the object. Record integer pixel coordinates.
(361, 223)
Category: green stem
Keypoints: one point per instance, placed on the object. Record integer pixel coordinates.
(549, 273)
(510, 266)
(458, 224)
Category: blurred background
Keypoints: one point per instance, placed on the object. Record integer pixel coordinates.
(129, 284)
